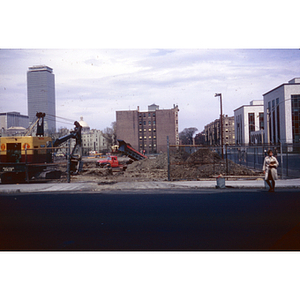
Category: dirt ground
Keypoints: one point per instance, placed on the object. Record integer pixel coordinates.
(201, 165)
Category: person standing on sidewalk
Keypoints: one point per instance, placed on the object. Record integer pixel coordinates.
(270, 170)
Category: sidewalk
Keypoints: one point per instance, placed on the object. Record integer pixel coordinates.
(150, 185)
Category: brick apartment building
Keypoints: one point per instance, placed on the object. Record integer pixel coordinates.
(147, 131)
(212, 132)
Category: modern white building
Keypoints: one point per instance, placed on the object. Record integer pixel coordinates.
(249, 119)
(282, 113)
(41, 95)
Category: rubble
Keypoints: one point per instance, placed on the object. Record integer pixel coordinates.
(203, 164)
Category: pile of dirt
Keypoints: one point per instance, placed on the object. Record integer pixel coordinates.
(201, 164)
(148, 169)
(183, 166)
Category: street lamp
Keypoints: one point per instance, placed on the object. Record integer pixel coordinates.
(221, 120)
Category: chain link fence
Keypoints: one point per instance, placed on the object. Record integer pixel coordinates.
(288, 156)
(193, 162)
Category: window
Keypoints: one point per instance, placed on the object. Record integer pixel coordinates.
(278, 121)
(149, 123)
(261, 121)
(296, 118)
(251, 122)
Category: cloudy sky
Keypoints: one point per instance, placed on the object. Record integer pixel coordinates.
(95, 84)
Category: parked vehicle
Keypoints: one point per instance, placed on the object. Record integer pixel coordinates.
(111, 162)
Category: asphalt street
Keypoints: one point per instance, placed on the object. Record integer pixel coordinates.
(150, 220)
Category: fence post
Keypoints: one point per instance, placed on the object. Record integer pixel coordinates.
(168, 151)
(68, 161)
(26, 166)
(281, 155)
(226, 149)
(287, 160)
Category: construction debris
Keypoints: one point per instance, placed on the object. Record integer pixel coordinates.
(203, 164)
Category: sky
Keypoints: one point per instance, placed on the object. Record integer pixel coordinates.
(95, 83)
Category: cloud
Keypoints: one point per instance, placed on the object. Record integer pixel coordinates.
(96, 83)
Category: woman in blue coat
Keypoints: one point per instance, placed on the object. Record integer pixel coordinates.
(270, 170)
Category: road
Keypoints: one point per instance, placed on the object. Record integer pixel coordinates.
(151, 220)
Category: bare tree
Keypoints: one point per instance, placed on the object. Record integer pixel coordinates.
(186, 135)
(109, 133)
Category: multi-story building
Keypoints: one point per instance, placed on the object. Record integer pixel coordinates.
(41, 95)
(13, 120)
(282, 113)
(92, 139)
(249, 123)
(147, 131)
(212, 132)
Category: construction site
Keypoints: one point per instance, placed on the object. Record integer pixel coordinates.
(34, 158)
(203, 164)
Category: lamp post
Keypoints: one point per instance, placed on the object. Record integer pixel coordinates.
(221, 121)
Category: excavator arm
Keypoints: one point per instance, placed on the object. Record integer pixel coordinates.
(75, 134)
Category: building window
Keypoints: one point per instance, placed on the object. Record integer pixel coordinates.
(273, 122)
(149, 123)
(251, 122)
(296, 118)
(261, 121)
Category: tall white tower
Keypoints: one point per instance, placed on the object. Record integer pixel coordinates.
(41, 95)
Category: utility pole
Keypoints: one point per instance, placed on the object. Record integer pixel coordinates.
(221, 121)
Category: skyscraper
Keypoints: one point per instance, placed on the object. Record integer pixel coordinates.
(41, 95)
